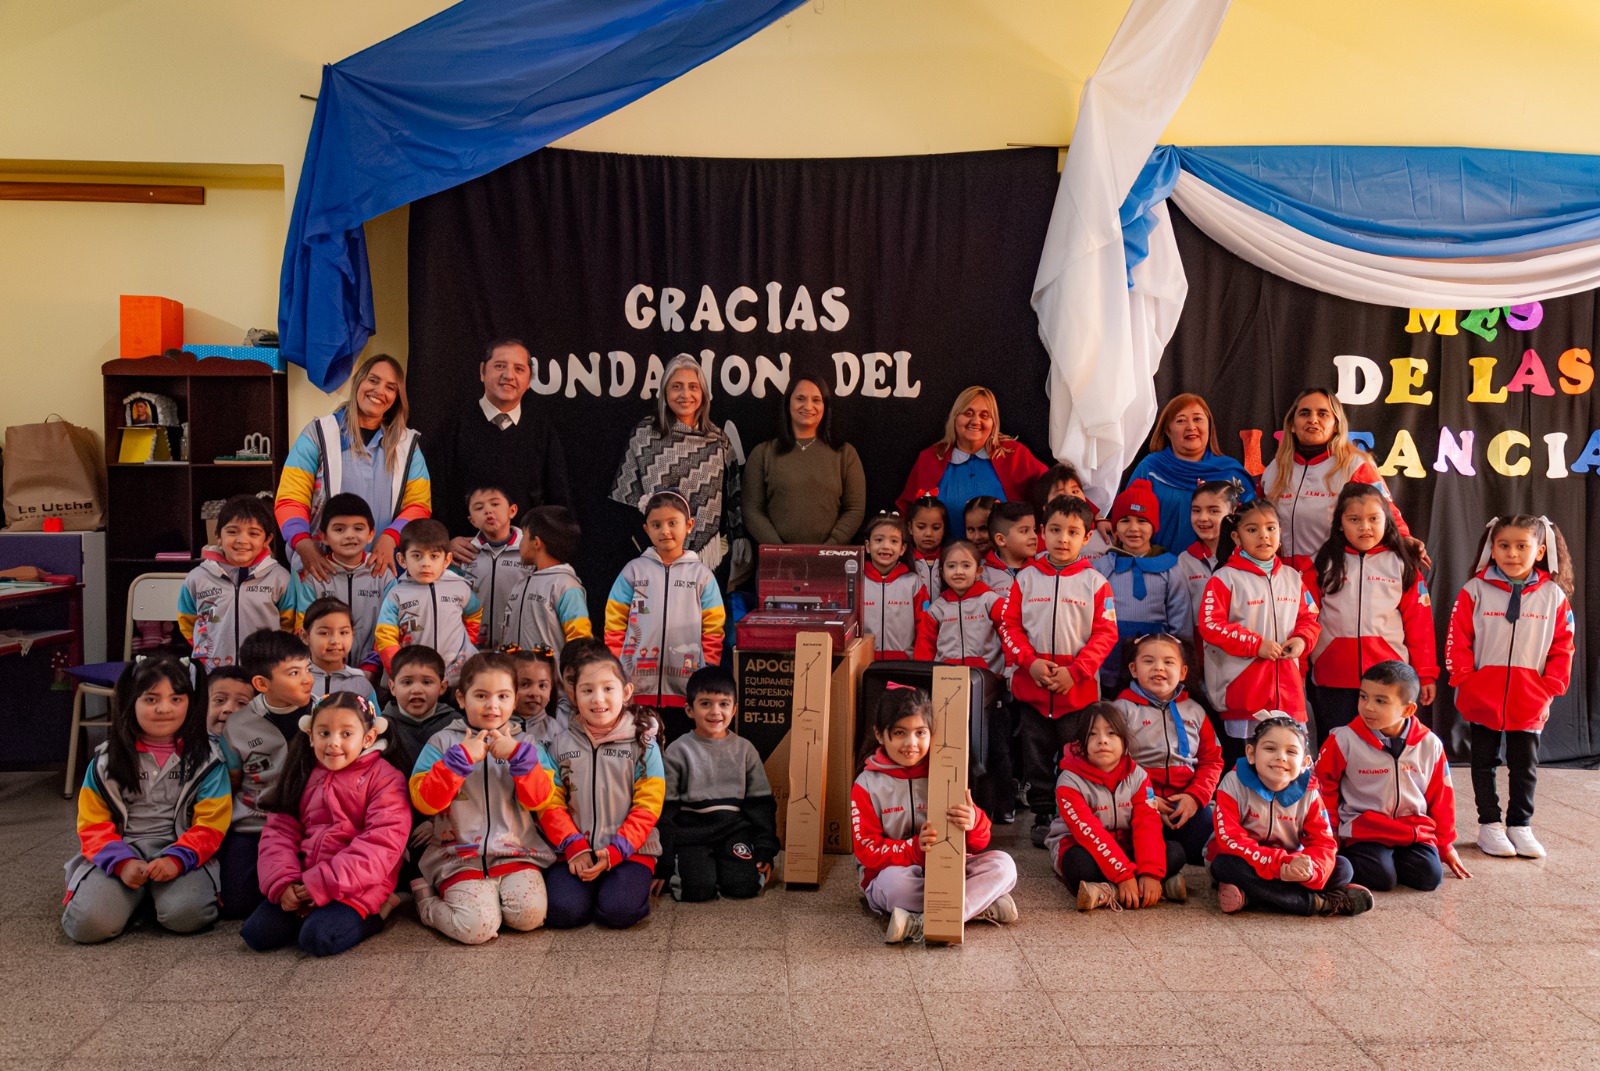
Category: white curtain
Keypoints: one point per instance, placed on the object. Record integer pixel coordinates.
(1105, 339)
(1403, 282)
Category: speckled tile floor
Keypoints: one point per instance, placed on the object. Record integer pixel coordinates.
(1499, 971)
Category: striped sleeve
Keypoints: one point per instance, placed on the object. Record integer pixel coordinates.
(437, 777)
(649, 794)
(213, 809)
(98, 837)
(472, 617)
(713, 619)
(573, 610)
(188, 610)
(531, 770)
(301, 595)
(619, 603)
(296, 487)
(556, 823)
(288, 620)
(386, 632)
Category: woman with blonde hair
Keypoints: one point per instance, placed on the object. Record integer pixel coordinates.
(363, 448)
(972, 459)
(1184, 454)
(1315, 460)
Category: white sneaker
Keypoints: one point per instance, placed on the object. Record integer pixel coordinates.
(1523, 841)
(1492, 840)
(903, 926)
(1001, 912)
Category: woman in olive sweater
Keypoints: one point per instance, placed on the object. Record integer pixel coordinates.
(800, 487)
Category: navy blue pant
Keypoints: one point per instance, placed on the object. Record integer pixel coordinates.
(1192, 835)
(1290, 897)
(1079, 864)
(1381, 867)
(326, 931)
(618, 898)
(241, 890)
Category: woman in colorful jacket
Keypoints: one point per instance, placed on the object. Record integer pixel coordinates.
(972, 459)
(381, 461)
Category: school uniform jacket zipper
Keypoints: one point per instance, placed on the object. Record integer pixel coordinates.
(488, 819)
(661, 651)
(1055, 608)
(433, 596)
(1361, 590)
(238, 586)
(1294, 509)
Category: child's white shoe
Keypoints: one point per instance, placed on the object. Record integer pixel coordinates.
(1492, 840)
(1093, 894)
(1524, 843)
(1002, 912)
(903, 926)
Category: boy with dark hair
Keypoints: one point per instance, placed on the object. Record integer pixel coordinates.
(498, 566)
(255, 743)
(327, 630)
(1014, 535)
(1388, 779)
(1058, 623)
(346, 531)
(430, 604)
(417, 708)
(238, 587)
(719, 825)
(549, 608)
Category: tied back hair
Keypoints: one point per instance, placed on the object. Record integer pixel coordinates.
(1562, 575)
(122, 742)
(898, 702)
(284, 797)
(1330, 559)
(1226, 543)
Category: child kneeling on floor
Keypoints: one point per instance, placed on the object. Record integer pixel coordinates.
(1106, 841)
(1272, 847)
(889, 817)
(336, 829)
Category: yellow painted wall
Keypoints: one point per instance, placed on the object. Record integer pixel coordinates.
(217, 82)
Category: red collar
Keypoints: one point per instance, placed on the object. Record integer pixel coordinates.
(1049, 568)
(900, 569)
(880, 762)
(1239, 561)
(978, 588)
(1072, 759)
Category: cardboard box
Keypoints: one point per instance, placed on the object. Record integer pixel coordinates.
(945, 870)
(808, 758)
(150, 326)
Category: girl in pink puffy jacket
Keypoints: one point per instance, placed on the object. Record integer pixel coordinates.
(337, 826)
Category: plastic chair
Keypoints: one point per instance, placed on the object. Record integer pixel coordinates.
(151, 597)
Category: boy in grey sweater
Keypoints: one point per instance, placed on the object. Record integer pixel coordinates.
(719, 825)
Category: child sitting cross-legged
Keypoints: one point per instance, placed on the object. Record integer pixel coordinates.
(719, 829)
(1106, 840)
(889, 817)
(1390, 782)
(1272, 846)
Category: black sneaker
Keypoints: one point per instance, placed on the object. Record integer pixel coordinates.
(1006, 818)
(1041, 830)
(1350, 900)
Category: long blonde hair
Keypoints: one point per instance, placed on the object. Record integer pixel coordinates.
(1343, 451)
(998, 445)
(394, 419)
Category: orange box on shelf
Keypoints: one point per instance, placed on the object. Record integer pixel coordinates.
(150, 325)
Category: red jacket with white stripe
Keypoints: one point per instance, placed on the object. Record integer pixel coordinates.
(1373, 619)
(960, 630)
(1307, 503)
(890, 606)
(1506, 674)
(1266, 829)
(1065, 616)
(1242, 606)
(1388, 799)
(1111, 814)
(1192, 765)
(888, 806)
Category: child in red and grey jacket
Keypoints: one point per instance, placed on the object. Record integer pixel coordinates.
(1390, 782)
(1173, 741)
(1509, 654)
(959, 626)
(1257, 620)
(892, 595)
(1272, 846)
(891, 832)
(1058, 623)
(1106, 839)
(1373, 606)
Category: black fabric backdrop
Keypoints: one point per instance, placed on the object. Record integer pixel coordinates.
(935, 254)
(1249, 341)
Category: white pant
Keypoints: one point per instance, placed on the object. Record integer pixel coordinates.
(472, 911)
(990, 875)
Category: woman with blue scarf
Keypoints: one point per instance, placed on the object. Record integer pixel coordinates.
(1185, 454)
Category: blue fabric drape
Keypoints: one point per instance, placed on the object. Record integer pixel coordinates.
(455, 97)
(1432, 203)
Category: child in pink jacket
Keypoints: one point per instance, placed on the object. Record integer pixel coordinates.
(337, 827)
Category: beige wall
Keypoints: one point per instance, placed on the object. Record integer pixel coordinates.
(191, 84)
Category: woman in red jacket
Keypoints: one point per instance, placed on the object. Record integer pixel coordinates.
(1106, 841)
(338, 825)
(972, 459)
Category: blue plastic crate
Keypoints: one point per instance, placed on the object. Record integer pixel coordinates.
(267, 355)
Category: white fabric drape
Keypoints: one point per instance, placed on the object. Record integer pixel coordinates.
(1402, 282)
(1105, 339)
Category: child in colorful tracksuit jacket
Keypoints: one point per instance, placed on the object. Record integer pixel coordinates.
(609, 791)
(1257, 620)
(496, 574)
(1509, 655)
(664, 621)
(443, 614)
(357, 588)
(1272, 847)
(1146, 580)
(1395, 804)
(223, 601)
(547, 609)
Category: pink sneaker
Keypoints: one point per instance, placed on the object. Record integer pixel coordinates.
(1231, 898)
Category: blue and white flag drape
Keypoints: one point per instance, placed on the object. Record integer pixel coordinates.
(1446, 228)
